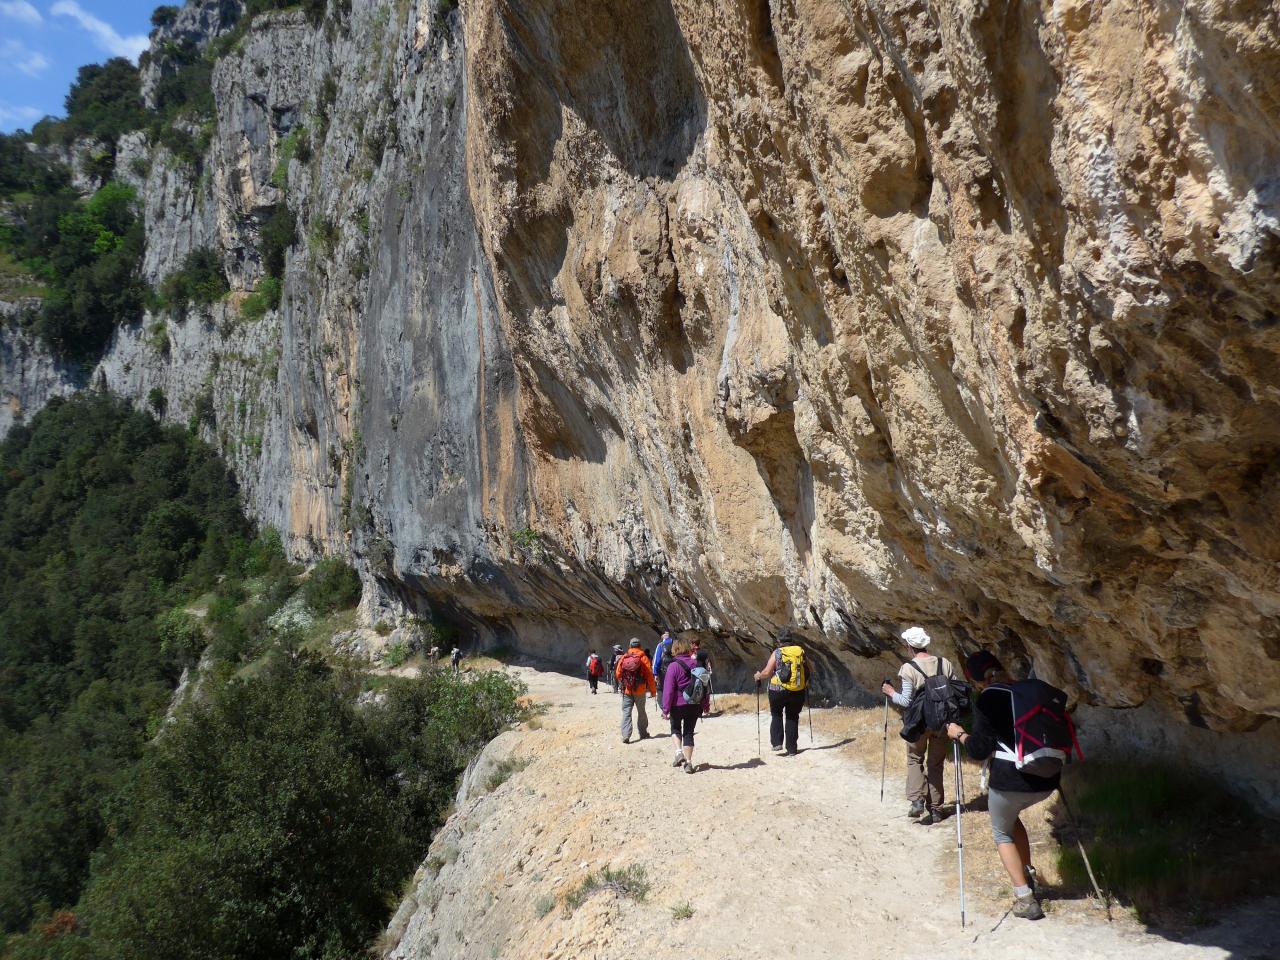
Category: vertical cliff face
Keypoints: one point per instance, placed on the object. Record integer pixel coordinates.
(816, 316)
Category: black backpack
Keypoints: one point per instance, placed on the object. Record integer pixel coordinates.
(939, 701)
(1044, 738)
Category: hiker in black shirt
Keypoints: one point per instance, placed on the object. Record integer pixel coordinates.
(1012, 788)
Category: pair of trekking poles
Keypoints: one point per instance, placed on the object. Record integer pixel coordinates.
(955, 756)
(808, 706)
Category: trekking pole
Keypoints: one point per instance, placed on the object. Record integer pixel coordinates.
(809, 707)
(1075, 828)
(759, 750)
(884, 754)
(959, 821)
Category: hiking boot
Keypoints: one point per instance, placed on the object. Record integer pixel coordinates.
(690, 767)
(626, 739)
(777, 748)
(1027, 908)
(917, 809)
(929, 818)
(679, 761)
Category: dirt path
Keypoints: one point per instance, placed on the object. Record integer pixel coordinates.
(779, 858)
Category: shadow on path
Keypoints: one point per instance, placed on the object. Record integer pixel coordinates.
(745, 765)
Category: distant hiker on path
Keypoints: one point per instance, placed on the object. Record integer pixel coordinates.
(788, 680)
(927, 748)
(660, 656)
(455, 660)
(613, 666)
(704, 661)
(595, 670)
(635, 676)
(684, 694)
(1024, 728)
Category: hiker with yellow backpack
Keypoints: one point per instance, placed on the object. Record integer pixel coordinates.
(788, 685)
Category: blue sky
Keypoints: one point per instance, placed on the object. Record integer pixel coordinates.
(44, 42)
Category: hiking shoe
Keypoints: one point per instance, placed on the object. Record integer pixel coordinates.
(679, 761)
(928, 818)
(917, 809)
(690, 767)
(626, 739)
(777, 748)
(1027, 908)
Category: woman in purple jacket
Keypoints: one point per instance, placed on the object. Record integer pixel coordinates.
(683, 716)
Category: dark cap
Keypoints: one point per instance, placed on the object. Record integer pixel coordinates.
(979, 664)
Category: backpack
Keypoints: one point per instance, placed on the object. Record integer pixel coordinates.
(699, 684)
(791, 673)
(632, 671)
(593, 666)
(1043, 735)
(939, 701)
(662, 654)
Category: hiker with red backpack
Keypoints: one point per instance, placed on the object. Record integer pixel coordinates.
(635, 676)
(931, 698)
(1024, 727)
(595, 670)
(685, 690)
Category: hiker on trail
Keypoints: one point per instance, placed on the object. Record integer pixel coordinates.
(1024, 728)
(595, 670)
(613, 667)
(788, 680)
(704, 661)
(927, 745)
(455, 660)
(683, 695)
(635, 676)
(660, 656)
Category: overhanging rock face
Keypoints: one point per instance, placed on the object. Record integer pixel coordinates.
(817, 316)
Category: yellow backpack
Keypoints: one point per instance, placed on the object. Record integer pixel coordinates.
(790, 674)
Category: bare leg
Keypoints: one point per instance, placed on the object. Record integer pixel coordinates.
(1017, 855)
(1012, 860)
(688, 754)
(1024, 844)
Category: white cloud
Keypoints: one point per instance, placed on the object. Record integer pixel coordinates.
(15, 55)
(21, 11)
(105, 34)
(18, 116)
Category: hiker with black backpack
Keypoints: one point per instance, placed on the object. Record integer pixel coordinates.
(685, 690)
(661, 654)
(595, 670)
(1024, 728)
(613, 667)
(931, 698)
(788, 682)
(636, 679)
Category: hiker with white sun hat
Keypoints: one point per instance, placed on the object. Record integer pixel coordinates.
(926, 753)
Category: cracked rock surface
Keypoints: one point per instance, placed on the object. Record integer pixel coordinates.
(820, 316)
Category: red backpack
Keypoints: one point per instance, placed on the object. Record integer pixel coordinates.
(632, 671)
(593, 666)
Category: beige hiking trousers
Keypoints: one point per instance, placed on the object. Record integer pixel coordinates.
(924, 768)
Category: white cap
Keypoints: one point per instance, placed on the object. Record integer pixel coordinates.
(916, 637)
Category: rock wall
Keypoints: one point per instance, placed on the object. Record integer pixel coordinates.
(762, 316)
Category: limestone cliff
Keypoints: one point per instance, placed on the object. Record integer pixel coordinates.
(818, 316)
